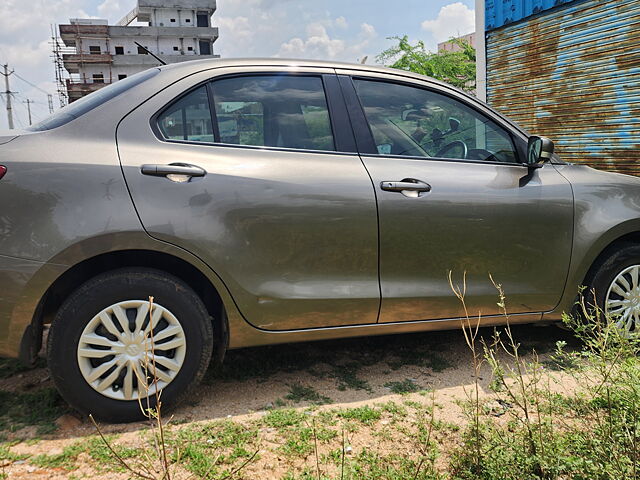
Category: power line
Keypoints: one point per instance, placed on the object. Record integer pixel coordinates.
(48, 94)
(27, 108)
(32, 84)
(22, 112)
(17, 117)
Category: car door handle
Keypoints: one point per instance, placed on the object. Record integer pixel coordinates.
(158, 170)
(406, 185)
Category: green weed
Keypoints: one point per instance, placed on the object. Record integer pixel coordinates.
(364, 414)
(283, 418)
(347, 377)
(299, 393)
(40, 407)
(405, 386)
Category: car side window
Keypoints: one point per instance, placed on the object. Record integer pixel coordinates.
(411, 121)
(287, 111)
(188, 118)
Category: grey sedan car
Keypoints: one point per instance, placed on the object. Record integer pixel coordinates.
(269, 201)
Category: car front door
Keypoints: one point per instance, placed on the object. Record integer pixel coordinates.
(454, 198)
(256, 173)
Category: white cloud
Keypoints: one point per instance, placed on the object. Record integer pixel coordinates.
(288, 28)
(319, 44)
(368, 30)
(114, 10)
(453, 20)
(341, 22)
(14, 19)
(238, 28)
(250, 27)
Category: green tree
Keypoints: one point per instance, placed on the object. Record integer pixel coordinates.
(456, 68)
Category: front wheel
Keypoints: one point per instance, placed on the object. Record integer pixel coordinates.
(110, 349)
(616, 286)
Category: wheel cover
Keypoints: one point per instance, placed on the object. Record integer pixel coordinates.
(622, 302)
(124, 355)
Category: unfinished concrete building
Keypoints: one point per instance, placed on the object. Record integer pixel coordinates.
(94, 53)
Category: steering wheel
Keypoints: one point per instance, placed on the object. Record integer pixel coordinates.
(450, 146)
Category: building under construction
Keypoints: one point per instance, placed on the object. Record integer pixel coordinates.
(90, 53)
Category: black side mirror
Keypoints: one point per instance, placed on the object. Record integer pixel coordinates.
(454, 124)
(539, 149)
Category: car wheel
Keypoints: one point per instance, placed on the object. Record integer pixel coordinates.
(106, 354)
(616, 286)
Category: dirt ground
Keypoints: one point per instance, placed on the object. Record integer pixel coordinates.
(344, 373)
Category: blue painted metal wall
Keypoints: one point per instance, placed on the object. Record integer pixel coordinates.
(503, 12)
(573, 74)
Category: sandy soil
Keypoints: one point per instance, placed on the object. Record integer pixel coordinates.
(376, 362)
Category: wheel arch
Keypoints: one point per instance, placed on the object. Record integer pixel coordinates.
(75, 276)
(630, 238)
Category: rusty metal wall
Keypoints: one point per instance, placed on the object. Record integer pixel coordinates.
(573, 74)
(503, 12)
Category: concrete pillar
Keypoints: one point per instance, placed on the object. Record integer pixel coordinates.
(481, 52)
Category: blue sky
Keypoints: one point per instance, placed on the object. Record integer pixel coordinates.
(345, 30)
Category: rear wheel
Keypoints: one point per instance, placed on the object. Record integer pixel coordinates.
(616, 286)
(109, 347)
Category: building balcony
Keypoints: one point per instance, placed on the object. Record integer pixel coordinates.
(69, 33)
(78, 89)
(189, 32)
(73, 61)
(182, 4)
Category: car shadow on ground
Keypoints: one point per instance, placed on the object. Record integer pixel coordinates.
(255, 379)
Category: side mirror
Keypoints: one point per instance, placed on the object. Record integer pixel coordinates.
(539, 149)
(454, 124)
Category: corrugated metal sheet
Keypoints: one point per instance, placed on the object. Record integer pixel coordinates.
(573, 75)
(504, 12)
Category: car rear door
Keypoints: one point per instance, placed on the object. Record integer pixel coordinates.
(255, 171)
(479, 214)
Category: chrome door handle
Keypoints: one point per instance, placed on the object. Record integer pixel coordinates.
(173, 169)
(406, 185)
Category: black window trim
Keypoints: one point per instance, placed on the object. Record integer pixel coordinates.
(88, 103)
(365, 138)
(346, 135)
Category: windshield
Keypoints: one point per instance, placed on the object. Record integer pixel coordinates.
(91, 101)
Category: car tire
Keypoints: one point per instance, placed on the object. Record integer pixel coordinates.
(615, 287)
(85, 349)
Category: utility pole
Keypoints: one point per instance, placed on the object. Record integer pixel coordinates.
(28, 102)
(50, 101)
(8, 93)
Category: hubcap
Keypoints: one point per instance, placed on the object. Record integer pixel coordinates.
(622, 302)
(125, 355)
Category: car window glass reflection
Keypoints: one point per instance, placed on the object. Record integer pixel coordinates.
(188, 119)
(273, 111)
(410, 121)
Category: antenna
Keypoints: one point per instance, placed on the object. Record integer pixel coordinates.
(148, 52)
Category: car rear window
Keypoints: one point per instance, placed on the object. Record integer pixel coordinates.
(93, 100)
(274, 110)
(287, 111)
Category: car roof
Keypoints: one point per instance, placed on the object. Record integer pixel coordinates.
(191, 65)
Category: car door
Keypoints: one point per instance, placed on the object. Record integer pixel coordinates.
(454, 197)
(255, 171)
